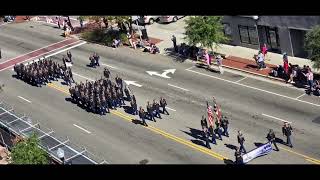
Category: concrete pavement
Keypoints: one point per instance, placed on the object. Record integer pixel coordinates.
(249, 102)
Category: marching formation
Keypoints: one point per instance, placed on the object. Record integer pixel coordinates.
(42, 72)
(101, 95)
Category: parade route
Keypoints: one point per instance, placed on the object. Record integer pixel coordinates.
(254, 106)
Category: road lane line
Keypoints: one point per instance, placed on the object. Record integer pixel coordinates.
(171, 109)
(300, 96)
(82, 76)
(109, 66)
(82, 129)
(276, 118)
(314, 162)
(190, 68)
(172, 137)
(242, 79)
(302, 155)
(24, 99)
(269, 92)
(177, 87)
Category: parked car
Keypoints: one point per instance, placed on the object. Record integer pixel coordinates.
(149, 19)
(168, 19)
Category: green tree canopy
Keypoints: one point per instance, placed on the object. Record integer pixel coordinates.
(28, 152)
(205, 30)
(312, 44)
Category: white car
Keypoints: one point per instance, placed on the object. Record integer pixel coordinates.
(149, 19)
(167, 19)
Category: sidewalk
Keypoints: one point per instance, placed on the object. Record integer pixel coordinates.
(238, 58)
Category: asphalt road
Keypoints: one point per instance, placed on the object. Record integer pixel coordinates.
(253, 105)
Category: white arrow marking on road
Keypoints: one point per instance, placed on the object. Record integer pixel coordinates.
(133, 83)
(164, 74)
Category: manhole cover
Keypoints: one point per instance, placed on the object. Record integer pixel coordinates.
(145, 161)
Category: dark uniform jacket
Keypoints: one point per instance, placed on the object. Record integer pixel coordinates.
(287, 130)
(240, 139)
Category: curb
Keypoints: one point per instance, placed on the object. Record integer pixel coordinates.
(256, 74)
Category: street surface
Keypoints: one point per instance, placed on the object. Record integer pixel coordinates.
(253, 105)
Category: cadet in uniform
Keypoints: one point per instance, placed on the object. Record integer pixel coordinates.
(163, 104)
(150, 112)
(142, 115)
(287, 131)
(205, 130)
(225, 124)
(241, 141)
(272, 138)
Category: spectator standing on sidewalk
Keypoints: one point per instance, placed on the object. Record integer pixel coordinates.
(286, 64)
(287, 131)
(264, 50)
(219, 63)
(241, 141)
(208, 58)
(260, 60)
(272, 138)
(58, 22)
(309, 76)
(174, 41)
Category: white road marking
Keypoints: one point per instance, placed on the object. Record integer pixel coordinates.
(49, 54)
(177, 87)
(132, 83)
(24, 99)
(164, 74)
(242, 79)
(171, 109)
(276, 118)
(82, 76)
(190, 68)
(300, 96)
(82, 129)
(269, 92)
(109, 66)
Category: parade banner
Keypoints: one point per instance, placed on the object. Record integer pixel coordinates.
(260, 151)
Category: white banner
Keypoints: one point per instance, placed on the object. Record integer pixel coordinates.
(262, 150)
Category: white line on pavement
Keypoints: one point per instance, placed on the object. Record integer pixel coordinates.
(190, 67)
(241, 79)
(82, 76)
(4, 23)
(171, 109)
(275, 118)
(300, 96)
(232, 82)
(109, 66)
(24, 99)
(82, 129)
(178, 87)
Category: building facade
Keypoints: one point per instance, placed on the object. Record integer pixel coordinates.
(280, 33)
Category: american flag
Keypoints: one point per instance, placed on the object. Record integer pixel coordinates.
(210, 114)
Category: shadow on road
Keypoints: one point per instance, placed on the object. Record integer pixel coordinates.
(176, 57)
(230, 146)
(228, 161)
(258, 144)
(198, 135)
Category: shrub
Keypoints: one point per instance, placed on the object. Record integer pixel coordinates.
(95, 35)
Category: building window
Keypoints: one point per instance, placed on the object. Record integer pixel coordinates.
(248, 35)
(227, 29)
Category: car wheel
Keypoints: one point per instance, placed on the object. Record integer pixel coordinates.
(174, 19)
(151, 21)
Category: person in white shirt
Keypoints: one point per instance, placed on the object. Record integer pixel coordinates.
(219, 63)
(260, 60)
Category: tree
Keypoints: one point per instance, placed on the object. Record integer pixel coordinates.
(29, 152)
(312, 44)
(205, 30)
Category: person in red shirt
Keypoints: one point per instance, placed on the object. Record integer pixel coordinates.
(264, 50)
(285, 64)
